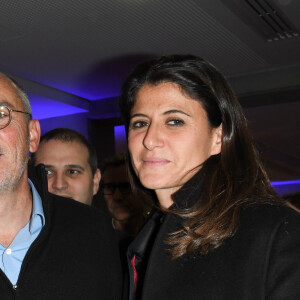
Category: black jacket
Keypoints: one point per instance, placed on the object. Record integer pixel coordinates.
(261, 261)
(74, 256)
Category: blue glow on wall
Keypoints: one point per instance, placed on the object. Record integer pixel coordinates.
(43, 108)
(120, 139)
(275, 183)
(286, 187)
(90, 92)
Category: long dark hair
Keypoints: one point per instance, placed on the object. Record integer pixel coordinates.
(232, 179)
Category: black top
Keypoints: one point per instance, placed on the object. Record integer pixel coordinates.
(74, 257)
(261, 260)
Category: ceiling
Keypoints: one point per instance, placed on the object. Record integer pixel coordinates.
(74, 55)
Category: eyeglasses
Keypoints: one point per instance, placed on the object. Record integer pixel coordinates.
(6, 115)
(110, 188)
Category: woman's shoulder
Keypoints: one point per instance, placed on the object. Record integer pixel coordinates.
(270, 208)
(270, 216)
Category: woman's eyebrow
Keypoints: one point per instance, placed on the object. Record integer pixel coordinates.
(138, 115)
(175, 111)
(168, 112)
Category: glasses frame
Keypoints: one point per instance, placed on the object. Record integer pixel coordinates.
(10, 114)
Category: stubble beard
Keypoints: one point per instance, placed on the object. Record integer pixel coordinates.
(9, 180)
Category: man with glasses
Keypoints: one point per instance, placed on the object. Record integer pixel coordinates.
(71, 164)
(126, 209)
(51, 247)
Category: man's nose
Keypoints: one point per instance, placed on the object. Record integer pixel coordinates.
(117, 195)
(59, 182)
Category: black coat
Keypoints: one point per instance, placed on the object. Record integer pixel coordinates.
(74, 256)
(261, 261)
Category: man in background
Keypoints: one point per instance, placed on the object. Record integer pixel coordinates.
(71, 164)
(51, 247)
(126, 209)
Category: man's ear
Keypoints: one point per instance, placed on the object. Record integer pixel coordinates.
(217, 140)
(96, 181)
(34, 135)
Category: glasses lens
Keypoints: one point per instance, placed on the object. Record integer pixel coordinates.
(110, 188)
(4, 116)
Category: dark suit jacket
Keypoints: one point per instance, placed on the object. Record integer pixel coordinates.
(73, 258)
(261, 261)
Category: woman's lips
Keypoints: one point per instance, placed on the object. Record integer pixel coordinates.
(155, 161)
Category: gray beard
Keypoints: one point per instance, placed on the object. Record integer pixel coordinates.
(11, 184)
(10, 180)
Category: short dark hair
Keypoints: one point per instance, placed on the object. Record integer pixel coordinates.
(69, 135)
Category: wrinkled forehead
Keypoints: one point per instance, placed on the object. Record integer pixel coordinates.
(9, 93)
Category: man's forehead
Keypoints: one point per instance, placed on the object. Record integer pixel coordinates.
(5, 81)
(66, 166)
(8, 92)
(65, 152)
(68, 145)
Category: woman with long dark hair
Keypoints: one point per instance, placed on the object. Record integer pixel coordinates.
(218, 230)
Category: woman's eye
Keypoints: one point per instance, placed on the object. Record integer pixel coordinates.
(139, 124)
(175, 122)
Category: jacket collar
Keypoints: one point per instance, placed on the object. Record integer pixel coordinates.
(190, 192)
(38, 177)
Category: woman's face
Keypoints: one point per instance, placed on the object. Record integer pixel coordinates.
(169, 137)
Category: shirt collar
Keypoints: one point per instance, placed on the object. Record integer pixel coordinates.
(37, 217)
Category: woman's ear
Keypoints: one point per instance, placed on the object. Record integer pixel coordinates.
(217, 140)
(34, 135)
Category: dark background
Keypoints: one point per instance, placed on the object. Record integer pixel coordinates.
(72, 57)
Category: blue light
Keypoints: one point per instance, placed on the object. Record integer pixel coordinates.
(120, 139)
(43, 108)
(286, 187)
(91, 92)
(275, 183)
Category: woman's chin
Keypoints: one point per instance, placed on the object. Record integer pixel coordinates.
(158, 184)
(152, 183)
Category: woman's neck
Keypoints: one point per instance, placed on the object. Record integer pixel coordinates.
(164, 196)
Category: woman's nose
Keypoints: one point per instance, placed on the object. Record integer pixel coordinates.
(153, 137)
